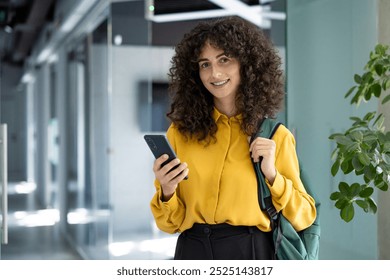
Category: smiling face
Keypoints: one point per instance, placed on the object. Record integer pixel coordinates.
(220, 74)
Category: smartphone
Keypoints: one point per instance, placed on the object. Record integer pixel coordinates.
(159, 145)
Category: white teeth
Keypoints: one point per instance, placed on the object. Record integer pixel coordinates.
(220, 83)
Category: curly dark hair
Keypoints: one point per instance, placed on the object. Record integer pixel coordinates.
(261, 90)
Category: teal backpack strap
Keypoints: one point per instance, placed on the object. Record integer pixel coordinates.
(288, 243)
(266, 130)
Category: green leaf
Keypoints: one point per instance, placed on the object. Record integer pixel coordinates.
(364, 159)
(343, 140)
(380, 183)
(350, 91)
(373, 55)
(366, 145)
(386, 99)
(372, 205)
(356, 119)
(376, 89)
(363, 204)
(369, 172)
(367, 92)
(386, 84)
(352, 147)
(367, 192)
(381, 49)
(357, 79)
(354, 190)
(357, 135)
(335, 154)
(359, 172)
(335, 196)
(357, 97)
(357, 164)
(382, 186)
(369, 116)
(335, 167)
(332, 136)
(346, 166)
(367, 78)
(343, 187)
(376, 158)
(379, 118)
(379, 69)
(370, 138)
(341, 203)
(382, 138)
(347, 213)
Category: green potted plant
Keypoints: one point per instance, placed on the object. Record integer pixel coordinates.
(364, 148)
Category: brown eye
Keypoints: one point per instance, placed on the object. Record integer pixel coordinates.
(204, 65)
(224, 59)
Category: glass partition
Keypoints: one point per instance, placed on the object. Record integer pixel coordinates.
(139, 92)
(88, 209)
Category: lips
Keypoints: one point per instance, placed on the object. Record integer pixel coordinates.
(220, 83)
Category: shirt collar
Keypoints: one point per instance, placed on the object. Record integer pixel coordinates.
(217, 115)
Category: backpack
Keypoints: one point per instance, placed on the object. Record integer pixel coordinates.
(289, 244)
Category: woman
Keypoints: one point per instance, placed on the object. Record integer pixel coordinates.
(225, 78)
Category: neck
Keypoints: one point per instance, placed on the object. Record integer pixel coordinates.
(228, 109)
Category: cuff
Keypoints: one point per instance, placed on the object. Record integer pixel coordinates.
(171, 204)
(277, 188)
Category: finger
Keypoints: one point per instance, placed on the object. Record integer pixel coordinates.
(257, 141)
(172, 175)
(180, 177)
(263, 144)
(265, 151)
(170, 165)
(159, 161)
(259, 150)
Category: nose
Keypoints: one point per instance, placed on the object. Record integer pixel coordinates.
(216, 72)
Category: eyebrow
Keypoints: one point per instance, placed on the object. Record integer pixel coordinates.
(205, 59)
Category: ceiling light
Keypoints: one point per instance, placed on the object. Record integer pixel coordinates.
(44, 54)
(192, 15)
(8, 29)
(259, 15)
(28, 78)
(241, 9)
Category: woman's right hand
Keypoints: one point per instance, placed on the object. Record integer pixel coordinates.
(169, 180)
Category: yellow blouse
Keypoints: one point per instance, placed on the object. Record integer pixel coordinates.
(222, 186)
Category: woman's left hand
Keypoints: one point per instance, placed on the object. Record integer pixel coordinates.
(265, 148)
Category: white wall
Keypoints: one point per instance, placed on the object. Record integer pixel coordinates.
(328, 42)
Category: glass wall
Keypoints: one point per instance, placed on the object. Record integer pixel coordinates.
(138, 68)
(87, 199)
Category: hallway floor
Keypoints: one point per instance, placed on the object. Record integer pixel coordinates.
(33, 233)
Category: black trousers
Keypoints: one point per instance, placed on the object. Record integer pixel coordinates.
(224, 242)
